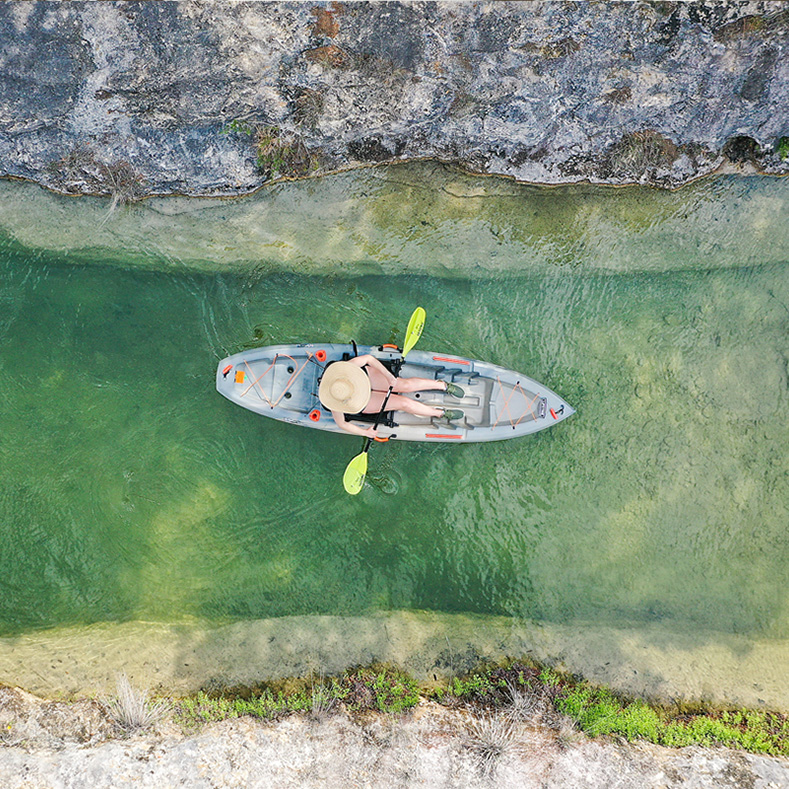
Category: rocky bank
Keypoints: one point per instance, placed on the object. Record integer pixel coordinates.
(135, 98)
(53, 744)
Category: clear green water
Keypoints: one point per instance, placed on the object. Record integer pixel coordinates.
(130, 490)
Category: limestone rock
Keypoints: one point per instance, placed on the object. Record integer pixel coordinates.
(135, 98)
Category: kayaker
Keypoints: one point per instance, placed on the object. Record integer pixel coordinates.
(359, 386)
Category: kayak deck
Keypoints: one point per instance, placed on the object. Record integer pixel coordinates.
(282, 382)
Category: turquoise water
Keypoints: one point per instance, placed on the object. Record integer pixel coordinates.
(130, 490)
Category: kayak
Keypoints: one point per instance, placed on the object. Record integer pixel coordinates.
(281, 381)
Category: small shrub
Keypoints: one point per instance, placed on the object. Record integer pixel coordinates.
(131, 711)
(80, 171)
(638, 153)
(522, 705)
(125, 184)
(307, 106)
(385, 689)
(278, 154)
(782, 148)
(323, 700)
(489, 738)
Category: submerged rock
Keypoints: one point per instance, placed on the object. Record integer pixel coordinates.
(135, 98)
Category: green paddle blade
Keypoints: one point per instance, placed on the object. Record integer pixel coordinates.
(414, 330)
(353, 479)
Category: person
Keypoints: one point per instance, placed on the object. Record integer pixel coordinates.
(359, 386)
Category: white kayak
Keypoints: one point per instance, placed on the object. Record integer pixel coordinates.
(281, 381)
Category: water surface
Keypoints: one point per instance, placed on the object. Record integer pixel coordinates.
(131, 491)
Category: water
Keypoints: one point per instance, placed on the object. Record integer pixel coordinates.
(132, 492)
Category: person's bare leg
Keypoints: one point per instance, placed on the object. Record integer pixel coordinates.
(380, 384)
(419, 385)
(398, 403)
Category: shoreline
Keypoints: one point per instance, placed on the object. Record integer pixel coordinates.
(182, 658)
(724, 168)
(509, 724)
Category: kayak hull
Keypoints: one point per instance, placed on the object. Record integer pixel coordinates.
(281, 382)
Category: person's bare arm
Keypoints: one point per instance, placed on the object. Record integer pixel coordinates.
(349, 427)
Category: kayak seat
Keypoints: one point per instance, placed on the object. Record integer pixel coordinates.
(387, 420)
(393, 365)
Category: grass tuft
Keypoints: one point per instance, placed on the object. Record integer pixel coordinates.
(132, 711)
(639, 153)
(490, 738)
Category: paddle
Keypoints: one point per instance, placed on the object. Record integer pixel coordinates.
(356, 471)
(414, 330)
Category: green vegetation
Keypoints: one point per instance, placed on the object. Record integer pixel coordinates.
(782, 147)
(516, 689)
(204, 708)
(276, 153)
(282, 155)
(379, 687)
(597, 711)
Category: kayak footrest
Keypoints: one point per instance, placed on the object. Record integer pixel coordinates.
(443, 373)
(442, 425)
(467, 374)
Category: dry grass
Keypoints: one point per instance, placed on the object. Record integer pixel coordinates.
(490, 738)
(123, 181)
(323, 700)
(639, 153)
(132, 711)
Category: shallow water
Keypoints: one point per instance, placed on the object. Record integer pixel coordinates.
(131, 491)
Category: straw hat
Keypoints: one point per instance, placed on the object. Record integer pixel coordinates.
(344, 387)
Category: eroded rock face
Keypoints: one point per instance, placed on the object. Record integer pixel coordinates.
(135, 98)
(28, 721)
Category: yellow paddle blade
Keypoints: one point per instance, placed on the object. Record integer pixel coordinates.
(414, 330)
(353, 479)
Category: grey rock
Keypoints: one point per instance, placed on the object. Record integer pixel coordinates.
(135, 98)
(430, 746)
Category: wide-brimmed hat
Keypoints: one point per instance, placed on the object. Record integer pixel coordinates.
(344, 387)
